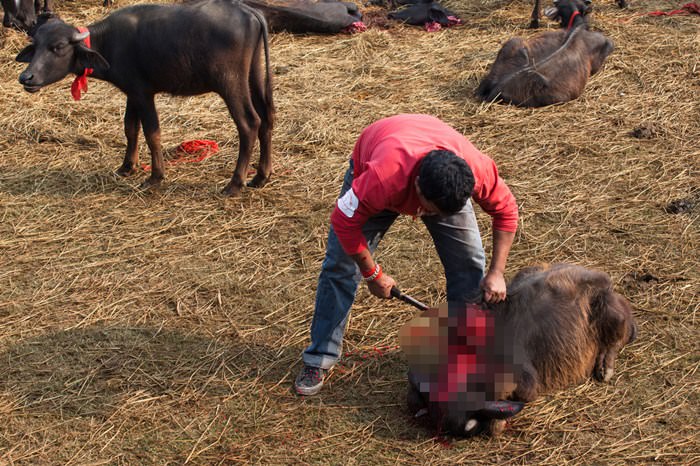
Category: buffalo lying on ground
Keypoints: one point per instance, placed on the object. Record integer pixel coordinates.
(550, 68)
(304, 16)
(189, 49)
(560, 324)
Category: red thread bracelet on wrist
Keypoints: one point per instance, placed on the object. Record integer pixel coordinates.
(376, 273)
(369, 273)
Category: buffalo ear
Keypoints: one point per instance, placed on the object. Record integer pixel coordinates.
(26, 55)
(501, 409)
(88, 58)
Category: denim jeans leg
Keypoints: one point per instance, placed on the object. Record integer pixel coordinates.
(461, 252)
(337, 285)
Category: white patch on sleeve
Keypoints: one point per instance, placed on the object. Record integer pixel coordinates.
(348, 203)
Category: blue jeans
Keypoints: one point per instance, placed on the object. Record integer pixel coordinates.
(457, 241)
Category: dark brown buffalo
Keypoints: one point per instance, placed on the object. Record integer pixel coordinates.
(188, 49)
(550, 68)
(307, 16)
(560, 324)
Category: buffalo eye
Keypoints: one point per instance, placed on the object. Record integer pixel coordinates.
(60, 48)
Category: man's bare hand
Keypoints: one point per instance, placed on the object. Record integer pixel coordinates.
(494, 287)
(381, 286)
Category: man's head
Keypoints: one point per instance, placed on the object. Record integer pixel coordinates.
(445, 180)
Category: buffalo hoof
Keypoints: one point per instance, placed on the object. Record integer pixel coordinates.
(602, 373)
(126, 171)
(534, 24)
(608, 374)
(258, 181)
(150, 183)
(496, 427)
(232, 189)
(599, 373)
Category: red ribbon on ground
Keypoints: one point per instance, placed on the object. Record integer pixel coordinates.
(203, 148)
(80, 82)
(687, 9)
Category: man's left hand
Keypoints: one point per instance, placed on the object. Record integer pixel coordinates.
(494, 287)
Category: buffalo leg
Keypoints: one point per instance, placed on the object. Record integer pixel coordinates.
(605, 364)
(599, 47)
(527, 387)
(151, 130)
(247, 121)
(131, 130)
(261, 94)
(535, 17)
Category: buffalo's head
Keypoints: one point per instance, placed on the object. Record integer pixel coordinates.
(462, 367)
(57, 49)
(563, 10)
(463, 419)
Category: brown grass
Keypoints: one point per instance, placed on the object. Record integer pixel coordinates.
(166, 327)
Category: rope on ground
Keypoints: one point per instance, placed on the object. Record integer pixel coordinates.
(201, 148)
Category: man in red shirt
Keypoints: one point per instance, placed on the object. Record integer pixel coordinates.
(414, 165)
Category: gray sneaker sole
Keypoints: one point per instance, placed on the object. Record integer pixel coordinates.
(308, 391)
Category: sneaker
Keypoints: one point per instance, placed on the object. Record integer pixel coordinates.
(310, 380)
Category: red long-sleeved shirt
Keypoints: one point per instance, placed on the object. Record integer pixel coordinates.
(386, 162)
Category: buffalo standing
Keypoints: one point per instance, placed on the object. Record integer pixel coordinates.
(184, 50)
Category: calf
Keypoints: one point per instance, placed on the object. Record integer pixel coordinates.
(188, 49)
(559, 325)
(550, 68)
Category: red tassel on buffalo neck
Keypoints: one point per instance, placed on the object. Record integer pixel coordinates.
(80, 82)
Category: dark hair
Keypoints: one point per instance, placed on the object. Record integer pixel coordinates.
(445, 180)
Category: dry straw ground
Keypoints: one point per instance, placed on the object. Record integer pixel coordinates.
(166, 327)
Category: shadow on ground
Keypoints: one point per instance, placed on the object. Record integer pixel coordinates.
(87, 372)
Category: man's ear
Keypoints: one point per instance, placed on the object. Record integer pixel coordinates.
(26, 55)
(501, 409)
(88, 58)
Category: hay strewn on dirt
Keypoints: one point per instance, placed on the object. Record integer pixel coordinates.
(166, 327)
